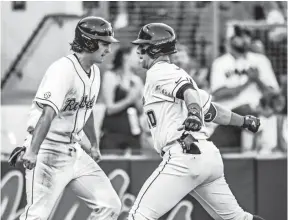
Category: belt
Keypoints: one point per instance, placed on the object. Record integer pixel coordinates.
(168, 144)
(193, 149)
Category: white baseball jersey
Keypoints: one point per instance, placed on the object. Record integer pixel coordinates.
(179, 173)
(230, 72)
(61, 161)
(165, 112)
(71, 93)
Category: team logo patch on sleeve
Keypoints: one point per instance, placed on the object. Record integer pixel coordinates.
(47, 95)
(163, 91)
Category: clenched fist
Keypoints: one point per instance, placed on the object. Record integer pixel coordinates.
(29, 159)
(95, 154)
(252, 123)
(192, 123)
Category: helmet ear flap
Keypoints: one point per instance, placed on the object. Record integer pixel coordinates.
(154, 51)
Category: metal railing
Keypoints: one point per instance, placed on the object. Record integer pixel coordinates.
(58, 18)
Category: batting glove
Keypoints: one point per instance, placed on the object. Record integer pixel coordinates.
(252, 123)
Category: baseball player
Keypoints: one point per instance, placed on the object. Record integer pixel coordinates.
(191, 164)
(61, 112)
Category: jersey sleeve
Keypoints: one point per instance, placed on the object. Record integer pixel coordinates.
(209, 110)
(206, 99)
(54, 87)
(171, 84)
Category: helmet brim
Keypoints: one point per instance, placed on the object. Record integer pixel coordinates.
(140, 41)
(108, 39)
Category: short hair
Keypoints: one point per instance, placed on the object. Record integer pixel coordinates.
(75, 47)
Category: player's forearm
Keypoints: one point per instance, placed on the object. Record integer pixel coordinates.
(191, 96)
(90, 130)
(42, 128)
(117, 107)
(226, 117)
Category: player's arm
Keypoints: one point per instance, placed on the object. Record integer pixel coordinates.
(193, 103)
(220, 115)
(178, 84)
(90, 132)
(41, 129)
(50, 98)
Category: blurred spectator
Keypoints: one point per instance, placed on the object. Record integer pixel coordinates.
(239, 79)
(257, 46)
(182, 58)
(122, 93)
(269, 138)
(274, 14)
(184, 61)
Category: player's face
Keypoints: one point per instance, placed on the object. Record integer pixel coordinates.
(144, 59)
(104, 49)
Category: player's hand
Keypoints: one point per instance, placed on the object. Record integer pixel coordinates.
(252, 123)
(95, 154)
(29, 159)
(189, 143)
(192, 123)
(253, 73)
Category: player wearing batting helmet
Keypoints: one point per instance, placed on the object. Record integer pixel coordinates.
(191, 164)
(62, 111)
(89, 31)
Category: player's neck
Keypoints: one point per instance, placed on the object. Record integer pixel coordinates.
(160, 59)
(85, 63)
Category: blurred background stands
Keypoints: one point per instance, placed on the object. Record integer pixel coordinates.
(202, 27)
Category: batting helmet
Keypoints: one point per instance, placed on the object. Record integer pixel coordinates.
(160, 37)
(89, 31)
